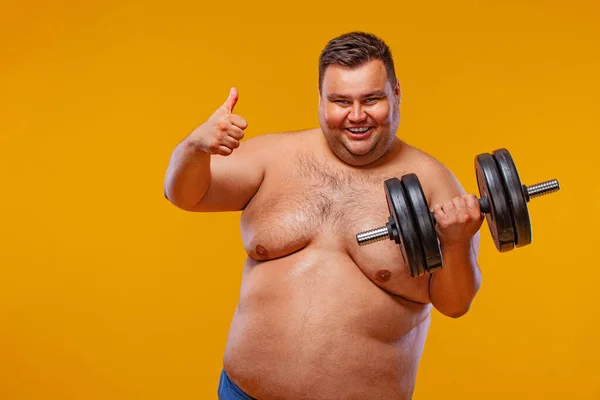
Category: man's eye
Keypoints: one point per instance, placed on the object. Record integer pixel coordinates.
(371, 100)
(341, 101)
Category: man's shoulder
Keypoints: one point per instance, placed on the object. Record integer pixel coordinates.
(425, 163)
(271, 149)
(433, 174)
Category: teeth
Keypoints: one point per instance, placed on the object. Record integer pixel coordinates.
(358, 130)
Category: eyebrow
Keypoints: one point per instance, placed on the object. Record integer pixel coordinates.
(376, 93)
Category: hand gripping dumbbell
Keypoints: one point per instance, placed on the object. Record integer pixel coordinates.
(503, 200)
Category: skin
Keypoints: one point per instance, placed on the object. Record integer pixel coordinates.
(360, 97)
(318, 316)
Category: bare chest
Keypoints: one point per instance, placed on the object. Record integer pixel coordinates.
(304, 203)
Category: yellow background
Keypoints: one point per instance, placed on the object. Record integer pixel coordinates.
(107, 291)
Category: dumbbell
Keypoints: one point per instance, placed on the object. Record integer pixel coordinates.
(503, 200)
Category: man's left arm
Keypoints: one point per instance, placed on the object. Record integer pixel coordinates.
(458, 219)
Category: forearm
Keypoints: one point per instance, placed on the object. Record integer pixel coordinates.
(453, 288)
(188, 175)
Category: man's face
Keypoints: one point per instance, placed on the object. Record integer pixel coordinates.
(359, 112)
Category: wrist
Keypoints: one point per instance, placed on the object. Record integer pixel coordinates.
(193, 146)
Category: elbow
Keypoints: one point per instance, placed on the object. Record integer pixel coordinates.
(456, 312)
(182, 205)
(458, 306)
(177, 201)
(168, 196)
(454, 309)
(454, 298)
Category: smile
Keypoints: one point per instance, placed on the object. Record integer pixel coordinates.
(359, 133)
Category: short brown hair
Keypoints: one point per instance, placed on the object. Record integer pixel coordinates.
(355, 49)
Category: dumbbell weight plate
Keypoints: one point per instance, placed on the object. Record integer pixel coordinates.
(424, 222)
(517, 201)
(498, 219)
(405, 225)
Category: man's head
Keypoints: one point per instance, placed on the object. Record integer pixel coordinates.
(358, 91)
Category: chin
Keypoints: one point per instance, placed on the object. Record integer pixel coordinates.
(364, 148)
(359, 159)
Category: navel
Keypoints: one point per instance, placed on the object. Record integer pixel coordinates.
(384, 275)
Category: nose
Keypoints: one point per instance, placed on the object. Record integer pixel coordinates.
(357, 114)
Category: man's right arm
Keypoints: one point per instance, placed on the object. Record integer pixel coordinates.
(206, 174)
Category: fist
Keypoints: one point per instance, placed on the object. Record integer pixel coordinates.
(222, 132)
(457, 220)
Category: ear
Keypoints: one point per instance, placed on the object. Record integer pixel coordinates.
(397, 91)
(319, 92)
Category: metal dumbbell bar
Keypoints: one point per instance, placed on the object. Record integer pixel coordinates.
(503, 200)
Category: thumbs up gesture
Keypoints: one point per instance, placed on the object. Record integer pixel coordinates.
(222, 132)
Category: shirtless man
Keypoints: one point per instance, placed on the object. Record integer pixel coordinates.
(318, 316)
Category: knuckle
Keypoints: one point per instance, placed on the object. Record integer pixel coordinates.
(220, 135)
(214, 145)
(222, 125)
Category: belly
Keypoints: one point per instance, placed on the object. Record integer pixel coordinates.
(312, 325)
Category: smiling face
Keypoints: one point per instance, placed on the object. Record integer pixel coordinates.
(359, 111)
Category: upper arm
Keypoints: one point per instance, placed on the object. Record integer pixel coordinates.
(441, 185)
(236, 178)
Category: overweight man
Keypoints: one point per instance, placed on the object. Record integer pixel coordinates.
(318, 316)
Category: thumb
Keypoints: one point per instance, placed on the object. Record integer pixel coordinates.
(231, 100)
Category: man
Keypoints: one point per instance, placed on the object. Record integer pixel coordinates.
(318, 316)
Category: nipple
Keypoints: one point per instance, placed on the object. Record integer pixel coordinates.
(261, 251)
(384, 275)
